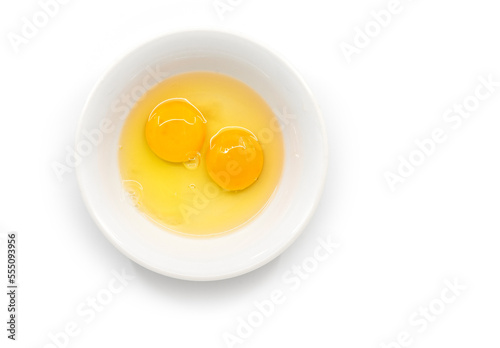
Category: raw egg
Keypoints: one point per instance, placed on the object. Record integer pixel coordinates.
(234, 160)
(175, 130)
(239, 162)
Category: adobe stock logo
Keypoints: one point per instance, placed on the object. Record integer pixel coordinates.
(292, 280)
(454, 117)
(92, 138)
(32, 25)
(364, 36)
(89, 309)
(426, 315)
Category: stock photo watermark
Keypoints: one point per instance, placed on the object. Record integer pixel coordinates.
(365, 34)
(201, 197)
(88, 310)
(121, 107)
(222, 7)
(32, 25)
(292, 280)
(425, 315)
(9, 253)
(197, 198)
(453, 119)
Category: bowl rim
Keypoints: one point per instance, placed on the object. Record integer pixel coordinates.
(309, 213)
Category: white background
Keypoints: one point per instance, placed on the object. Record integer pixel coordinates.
(396, 248)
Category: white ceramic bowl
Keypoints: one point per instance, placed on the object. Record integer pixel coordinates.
(255, 243)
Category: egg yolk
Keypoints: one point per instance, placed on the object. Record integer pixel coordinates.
(175, 130)
(234, 160)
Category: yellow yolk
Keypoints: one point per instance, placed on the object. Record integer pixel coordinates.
(175, 130)
(234, 160)
(188, 202)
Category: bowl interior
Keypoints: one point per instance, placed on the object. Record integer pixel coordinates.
(256, 242)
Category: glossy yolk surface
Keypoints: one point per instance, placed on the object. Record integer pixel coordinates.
(235, 159)
(175, 130)
(187, 201)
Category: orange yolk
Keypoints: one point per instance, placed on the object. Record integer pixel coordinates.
(234, 159)
(175, 130)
